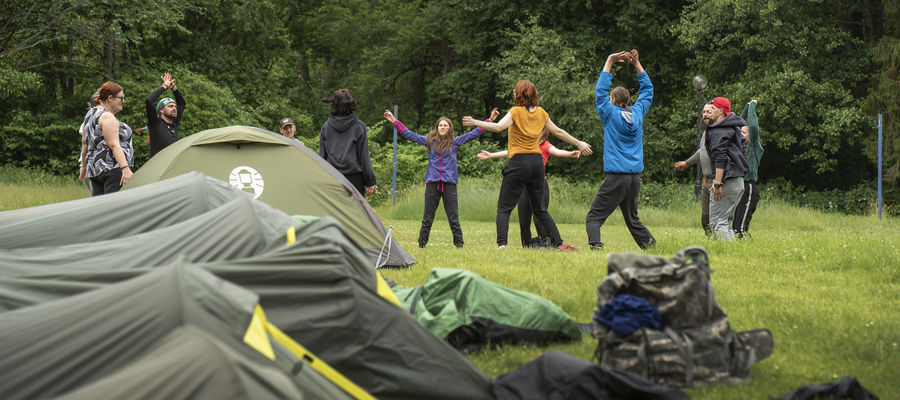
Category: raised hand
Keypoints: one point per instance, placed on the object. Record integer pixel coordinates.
(388, 115)
(494, 114)
(633, 56)
(468, 121)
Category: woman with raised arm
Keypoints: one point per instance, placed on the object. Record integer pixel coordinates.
(524, 206)
(525, 169)
(441, 174)
(623, 152)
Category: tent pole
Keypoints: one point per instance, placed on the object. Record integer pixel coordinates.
(394, 178)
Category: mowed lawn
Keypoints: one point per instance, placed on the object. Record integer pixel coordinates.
(826, 285)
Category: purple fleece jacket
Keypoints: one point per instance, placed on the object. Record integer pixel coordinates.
(441, 167)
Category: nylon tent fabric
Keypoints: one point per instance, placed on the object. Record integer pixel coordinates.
(59, 346)
(559, 376)
(280, 172)
(321, 291)
(190, 364)
(470, 311)
(140, 210)
(234, 230)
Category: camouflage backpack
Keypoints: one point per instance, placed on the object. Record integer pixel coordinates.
(696, 344)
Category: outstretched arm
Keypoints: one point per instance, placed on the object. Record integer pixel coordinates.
(404, 131)
(583, 147)
(564, 153)
(635, 61)
(485, 155)
(489, 126)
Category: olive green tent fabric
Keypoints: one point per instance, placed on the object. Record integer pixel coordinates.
(280, 172)
(234, 230)
(123, 213)
(191, 364)
(60, 346)
(321, 291)
(470, 311)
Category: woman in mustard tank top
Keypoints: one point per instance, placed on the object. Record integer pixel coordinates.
(525, 169)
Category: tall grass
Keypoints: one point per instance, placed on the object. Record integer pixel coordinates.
(20, 188)
(827, 285)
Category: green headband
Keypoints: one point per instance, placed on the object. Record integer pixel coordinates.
(162, 103)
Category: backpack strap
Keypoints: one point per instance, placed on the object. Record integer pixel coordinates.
(687, 352)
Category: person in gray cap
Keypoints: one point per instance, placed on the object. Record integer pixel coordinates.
(288, 128)
(164, 116)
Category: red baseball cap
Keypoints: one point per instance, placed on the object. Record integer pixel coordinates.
(722, 104)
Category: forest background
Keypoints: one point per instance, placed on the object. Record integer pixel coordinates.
(821, 70)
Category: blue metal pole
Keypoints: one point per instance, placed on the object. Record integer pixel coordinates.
(879, 166)
(394, 179)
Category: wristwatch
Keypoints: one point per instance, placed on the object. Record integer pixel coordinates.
(717, 185)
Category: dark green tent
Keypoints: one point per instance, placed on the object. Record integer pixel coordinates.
(280, 172)
(320, 289)
(61, 346)
(469, 311)
(190, 364)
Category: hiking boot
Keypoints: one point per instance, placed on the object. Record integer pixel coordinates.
(565, 247)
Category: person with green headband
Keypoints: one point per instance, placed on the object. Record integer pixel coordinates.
(164, 116)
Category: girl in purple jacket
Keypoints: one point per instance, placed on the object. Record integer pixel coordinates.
(441, 176)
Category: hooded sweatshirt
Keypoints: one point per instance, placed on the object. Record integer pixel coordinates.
(344, 144)
(623, 131)
(724, 144)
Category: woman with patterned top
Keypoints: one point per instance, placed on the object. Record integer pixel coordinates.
(441, 174)
(525, 169)
(108, 151)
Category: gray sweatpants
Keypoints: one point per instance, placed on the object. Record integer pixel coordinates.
(721, 212)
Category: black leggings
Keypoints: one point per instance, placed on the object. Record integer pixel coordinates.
(434, 192)
(524, 172)
(525, 217)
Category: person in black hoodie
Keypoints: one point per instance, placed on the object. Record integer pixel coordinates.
(344, 144)
(724, 144)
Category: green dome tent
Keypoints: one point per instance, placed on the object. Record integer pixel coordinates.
(282, 173)
(61, 346)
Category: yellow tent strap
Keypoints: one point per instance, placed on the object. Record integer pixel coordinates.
(384, 290)
(317, 364)
(256, 335)
(291, 235)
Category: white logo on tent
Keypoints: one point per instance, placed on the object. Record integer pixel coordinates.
(247, 179)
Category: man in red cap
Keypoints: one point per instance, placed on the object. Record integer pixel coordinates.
(724, 145)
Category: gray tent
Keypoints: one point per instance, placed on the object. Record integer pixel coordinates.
(320, 290)
(63, 345)
(139, 210)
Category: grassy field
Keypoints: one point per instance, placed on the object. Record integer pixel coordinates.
(826, 285)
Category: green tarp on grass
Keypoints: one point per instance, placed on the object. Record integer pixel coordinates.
(470, 312)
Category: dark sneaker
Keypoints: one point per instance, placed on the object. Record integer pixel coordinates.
(421, 245)
(565, 247)
(597, 246)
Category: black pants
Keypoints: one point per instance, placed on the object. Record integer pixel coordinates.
(525, 217)
(746, 206)
(357, 181)
(106, 182)
(524, 172)
(622, 191)
(434, 192)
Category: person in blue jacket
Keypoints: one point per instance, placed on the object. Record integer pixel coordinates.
(623, 152)
(441, 176)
